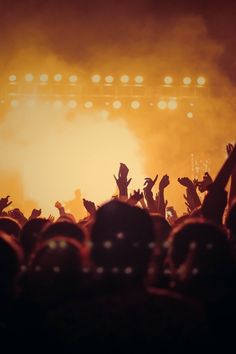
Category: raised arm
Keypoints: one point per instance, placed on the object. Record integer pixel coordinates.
(148, 185)
(122, 181)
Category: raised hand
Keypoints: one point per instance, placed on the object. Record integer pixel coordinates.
(122, 180)
(149, 183)
(58, 205)
(164, 182)
(136, 197)
(229, 148)
(186, 182)
(17, 215)
(35, 214)
(89, 206)
(51, 218)
(203, 185)
(4, 203)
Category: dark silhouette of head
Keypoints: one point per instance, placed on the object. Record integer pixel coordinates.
(55, 270)
(65, 228)
(10, 226)
(122, 241)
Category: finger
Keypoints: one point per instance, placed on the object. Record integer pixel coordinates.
(155, 179)
(115, 178)
(129, 181)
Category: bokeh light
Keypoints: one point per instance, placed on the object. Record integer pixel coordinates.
(117, 104)
(162, 104)
(29, 77)
(187, 80)
(201, 80)
(73, 79)
(168, 80)
(124, 79)
(109, 79)
(138, 79)
(96, 78)
(172, 104)
(135, 104)
(190, 115)
(14, 103)
(58, 77)
(88, 104)
(72, 104)
(43, 78)
(12, 78)
(57, 104)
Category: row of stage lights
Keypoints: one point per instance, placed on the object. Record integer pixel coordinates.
(170, 104)
(109, 79)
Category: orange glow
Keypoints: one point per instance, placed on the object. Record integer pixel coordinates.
(201, 80)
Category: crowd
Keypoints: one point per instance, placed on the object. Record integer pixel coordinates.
(130, 275)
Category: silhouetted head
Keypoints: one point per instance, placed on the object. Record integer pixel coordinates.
(10, 226)
(30, 234)
(11, 257)
(55, 270)
(64, 228)
(200, 255)
(122, 241)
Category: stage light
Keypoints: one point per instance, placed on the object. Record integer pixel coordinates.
(117, 104)
(14, 103)
(172, 104)
(124, 79)
(72, 104)
(109, 79)
(58, 77)
(73, 79)
(96, 78)
(138, 79)
(201, 80)
(88, 104)
(187, 80)
(162, 104)
(43, 78)
(168, 80)
(12, 78)
(30, 103)
(57, 104)
(29, 77)
(190, 115)
(135, 104)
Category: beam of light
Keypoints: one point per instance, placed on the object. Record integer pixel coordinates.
(29, 77)
(201, 80)
(73, 79)
(81, 154)
(72, 104)
(190, 115)
(138, 79)
(124, 79)
(88, 104)
(162, 105)
(43, 78)
(96, 78)
(109, 79)
(187, 80)
(172, 104)
(168, 80)
(12, 78)
(117, 104)
(135, 104)
(57, 77)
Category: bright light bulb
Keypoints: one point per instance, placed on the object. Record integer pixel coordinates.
(29, 77)
(201, 80)
(135, 104)
(109, 79)
(73, 78)
(168, 80)
(187, 80)
(58, 77)
(124, 79)
(88, 104)
(43, 78)
(138, 79)
(172, 104)
(96, 78)
(117, 104)
(162, 104)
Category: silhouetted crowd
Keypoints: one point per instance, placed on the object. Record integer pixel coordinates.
(130, 276)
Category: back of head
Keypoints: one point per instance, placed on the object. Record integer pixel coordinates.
(55, 270)
(65, 228)
(231, 220)
(200, 255)
(11, 256)
(122, 238)
(30, 234)
(10, 226)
